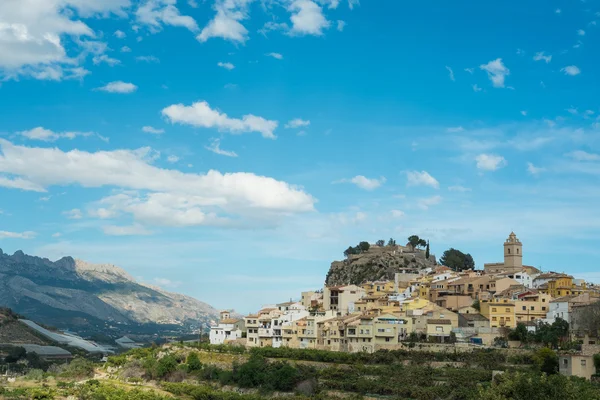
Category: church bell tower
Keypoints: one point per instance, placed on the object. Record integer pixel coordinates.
(513, 253)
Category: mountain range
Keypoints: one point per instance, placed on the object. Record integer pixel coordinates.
(94, 298)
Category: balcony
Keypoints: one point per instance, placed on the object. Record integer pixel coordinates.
(265, 332)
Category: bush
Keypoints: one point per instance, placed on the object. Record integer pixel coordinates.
(193, 362)
(35, 375)
(79, 368)
(546, 360)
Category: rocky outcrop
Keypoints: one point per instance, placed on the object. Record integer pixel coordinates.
(72, 293)
(377, 263)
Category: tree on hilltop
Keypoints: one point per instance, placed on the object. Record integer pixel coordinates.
(391, 242)
(427, 251)
(416, 241)
(380, 243)
(364, 246)
(457, 260)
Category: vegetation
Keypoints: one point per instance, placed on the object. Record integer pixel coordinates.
(457, 260)
(416, 242)
(427, 251)
(551, 335)
(360, 248)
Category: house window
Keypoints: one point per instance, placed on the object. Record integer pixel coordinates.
(493, 309)
(439, 329)
(565, 361)
(543, 308)
(524, 308)
(387, 339)
(507, 309)
(494, 319)
(583, 362)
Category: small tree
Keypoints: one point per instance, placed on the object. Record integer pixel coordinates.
(416, 241)
(457, 260)
(476, 305)
(597, 362)
(391, 242)
(546, 360)
(193, 362)
(364, 246)
(380, 243)
(349, 251)
(427, 251)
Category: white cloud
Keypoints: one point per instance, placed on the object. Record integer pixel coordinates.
(17, 235)
(524, 113)
(131, 230)
(47, 135)
(148, 59)
(166, 282)
(539, 56)
(397, 214)
(154, 131)
(458, 188)
(215, 147)
(193, 3)
(125, 49)
(341, 25)
(19, 183)
(558, 11)
(297, 123)
(364, 182)
(275, 55)
(580, 155)
(427, 202)
(73, 214)
(477, 88)
(416, 178)
(118, 87)
(119, 34)
(226, 23)
(572, 110)
(307, 18)
(470, 70)
(172, 159)
(168, 195)
(455, 129)
(533, 170)
(106, 60)
(581, 32)
(56, 235)
(450, 73)
(200, 114)
(273, 26)
(571, 70)
(496, 71)
(226, 65)
(490, 162)
(156, 13)
(47, 39)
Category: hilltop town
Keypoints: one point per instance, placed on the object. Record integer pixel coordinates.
(428, 304)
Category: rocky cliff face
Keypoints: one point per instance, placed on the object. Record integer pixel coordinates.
(72, 293)
(378, 263)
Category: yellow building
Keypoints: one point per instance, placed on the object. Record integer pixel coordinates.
(561, 286)
(531, 307)
(379, 287)
(500, 312)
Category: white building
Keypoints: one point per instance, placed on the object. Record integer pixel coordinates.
(228, 329)
(522, 277)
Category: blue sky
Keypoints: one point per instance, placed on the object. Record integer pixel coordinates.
(231, 149)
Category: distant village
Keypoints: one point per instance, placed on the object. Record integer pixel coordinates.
(470, 308)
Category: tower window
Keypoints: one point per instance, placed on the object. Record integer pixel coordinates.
(508, 251)
(517, 251)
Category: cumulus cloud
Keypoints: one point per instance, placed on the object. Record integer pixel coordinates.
(129, 230)
(148, 59)
(571, 70)
(341, 25)
(47, 39)
(118, 87)
(172, 159)
(427, 202)
(152, 130)
(580, 155)
(226, 23)
(490, 162)
(73, 214)
(416, 178)
(46, 135)
(455, 129)
(200, 115)
(156, 13)
(125, 49)
(477, 88)
(450, 73)
(275, 55)
(581, 32)
(397, 213)
(533, 170)
(541, 56)
(297, 123)
(17, 235)
(104, 59)
(307, 18)
(215, 147)
(364, 182)
(496, 71)
(120, 34)
(152, 194)
(227, 65)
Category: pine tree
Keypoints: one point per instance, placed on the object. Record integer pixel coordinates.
(427, 251)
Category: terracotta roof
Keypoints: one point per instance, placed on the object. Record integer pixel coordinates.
(473, 317)
(229, 321)
(252, 316)
(439, 322)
